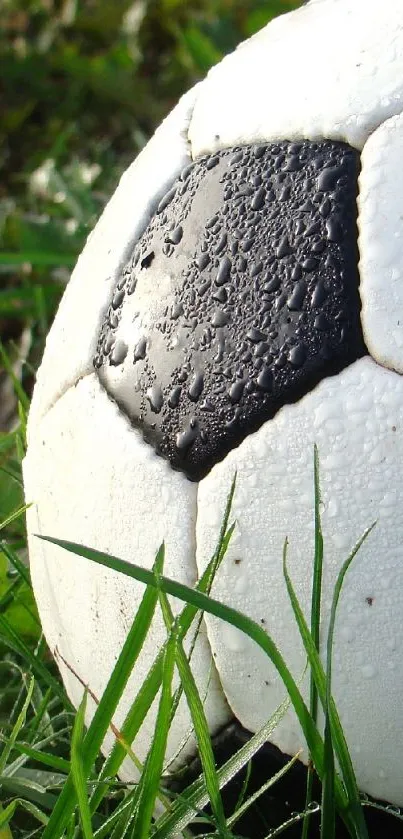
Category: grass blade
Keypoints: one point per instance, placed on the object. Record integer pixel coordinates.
(150, 779)
(8, 747)
(107, 705)
(152, 682)
(315, 624)
(54, 762)
(79, 775)
(226, 613)
(196, 797)
(351, 806)
(14, 642)
(7, 814)
(240, 811)
(199, 721)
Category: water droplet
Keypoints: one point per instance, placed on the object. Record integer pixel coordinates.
(175, 236)
(296, 272)
(272, 285)
(174, 397)
(140, 349)
(368, 671)
(147, 259)
(284, 248)
(256, 335)
(118, 298)
(167, 198)
(296, 299)
(327, 179)
(177, 310)
(212, 162)
(187, 437)
(224, 270)
(310, 264)
(155, 398)
(221, 244)
(258, 199)
(321, 322)
(292, 163)
(203, 261)
(233, 638)
(221, 295)
(119, 353)
(265, 379)
(247, 244)
(319, 295)
(334, 229)
(297, 355)
(236, 390)
(196, 387)
(220, 318)
(211, 222)
(325, 208)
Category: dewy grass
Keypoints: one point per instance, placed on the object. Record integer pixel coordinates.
(340, 788)
(91, 802)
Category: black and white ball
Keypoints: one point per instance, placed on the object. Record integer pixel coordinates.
(241, 299)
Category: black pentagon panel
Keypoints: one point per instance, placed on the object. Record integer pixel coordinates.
(241, 295)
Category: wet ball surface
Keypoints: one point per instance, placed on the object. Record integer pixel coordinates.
(240, 296)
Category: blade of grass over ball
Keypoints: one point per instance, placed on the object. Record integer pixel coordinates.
(351, 809)
(328, 810)
(327, 802)
(243, 808)
(315, 621)
(115, 826)
(199, 721)
(226, 613)
(212, 568)
(108, 703)
(195, 797)
(150, 780)
(152, 681)
(294, 819)
(79, 774)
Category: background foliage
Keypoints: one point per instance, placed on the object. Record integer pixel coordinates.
(85, 82)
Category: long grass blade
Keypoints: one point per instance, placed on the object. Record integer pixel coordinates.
(351, 807)
(199, 721)
(240, 811)
(108, 704)
(11, 639)
(195, 797)
(152, 682)
(150, 779)
(79, 774)
(8, 747)
(226, 613)
(315, 624)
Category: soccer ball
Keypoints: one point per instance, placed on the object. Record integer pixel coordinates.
(240, 300)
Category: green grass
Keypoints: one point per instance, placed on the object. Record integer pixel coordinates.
(83, 92)
(54, 781)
